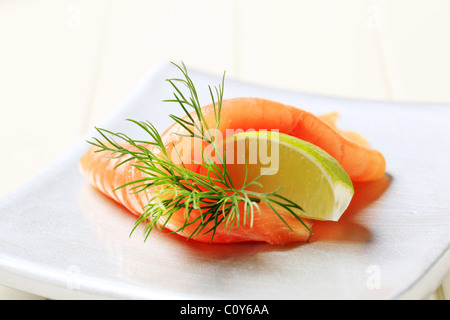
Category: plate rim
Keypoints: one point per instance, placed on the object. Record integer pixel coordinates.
(423, 287)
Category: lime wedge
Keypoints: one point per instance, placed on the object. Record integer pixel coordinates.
(308, 175)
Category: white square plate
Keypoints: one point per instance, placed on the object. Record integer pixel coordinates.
(62, 239)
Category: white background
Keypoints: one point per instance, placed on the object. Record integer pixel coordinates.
(64, 64)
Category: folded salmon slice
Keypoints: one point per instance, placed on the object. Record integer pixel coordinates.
(360, 161)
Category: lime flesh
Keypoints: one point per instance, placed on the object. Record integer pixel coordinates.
(308, 175)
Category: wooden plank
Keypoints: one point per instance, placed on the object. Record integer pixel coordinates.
(48, 55)
(324, 47)
(415, 46)
(144, 33)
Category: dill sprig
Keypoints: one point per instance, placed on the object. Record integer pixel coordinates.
(173, 187)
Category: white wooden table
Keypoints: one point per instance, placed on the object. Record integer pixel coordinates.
(64, 64)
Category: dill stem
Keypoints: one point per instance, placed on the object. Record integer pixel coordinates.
(215, 197)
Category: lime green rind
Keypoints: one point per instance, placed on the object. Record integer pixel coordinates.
(335, 171)
(328, 163)
(338, 179)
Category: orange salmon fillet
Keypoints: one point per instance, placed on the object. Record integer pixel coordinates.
(99, 169)
(360, 161)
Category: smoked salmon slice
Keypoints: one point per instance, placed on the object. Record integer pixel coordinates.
(352, 151)
(361, 162)
(103, 172)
